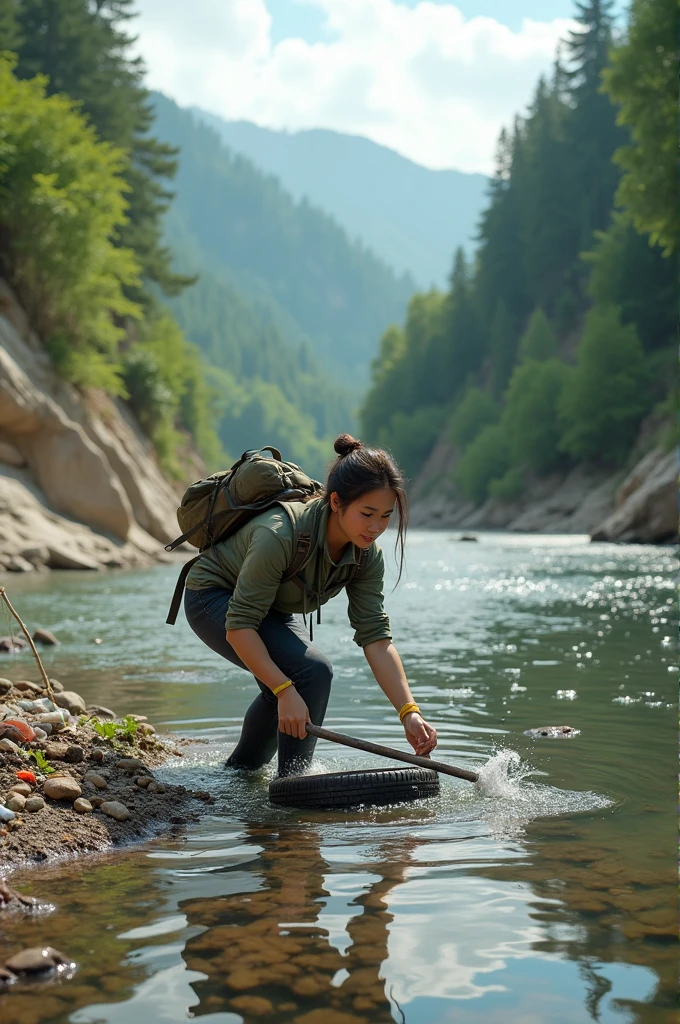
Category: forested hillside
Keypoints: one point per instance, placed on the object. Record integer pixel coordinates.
(553, 345)
(410, 216)
(289, 252)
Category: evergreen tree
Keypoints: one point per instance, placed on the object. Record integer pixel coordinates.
(643, 79)
(10, 37)
(84, 49)
(530, 419)
(593, 134)
(502, 349)
(487, 458)
(476, 411)
(538, 341)
(462, 342)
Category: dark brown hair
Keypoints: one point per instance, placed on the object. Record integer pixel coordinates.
(359, 469)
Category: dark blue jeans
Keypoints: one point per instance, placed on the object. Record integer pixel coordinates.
(291, 650)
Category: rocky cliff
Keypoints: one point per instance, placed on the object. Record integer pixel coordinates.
(80, 487)
(638, 505)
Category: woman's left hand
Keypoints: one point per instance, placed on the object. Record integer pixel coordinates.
(421, 736)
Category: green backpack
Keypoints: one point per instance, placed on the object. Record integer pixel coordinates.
(213, 509)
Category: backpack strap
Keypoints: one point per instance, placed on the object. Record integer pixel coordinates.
(179, 590)
(303, 545)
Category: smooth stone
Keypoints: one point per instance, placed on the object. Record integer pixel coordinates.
(74, 754)
(99, 711)
(55, 751)
(10, 643)
(22, 788)
(146, 729)
(43, 636)
(144, 780)
(82, 806)
(57, 687)
(37, 958)
(6, 814)
(16, 802)
(72, 701)
(130, 764)
(97, 756)
(97, 780)
(8, 746)
(57, 719)
(26, 686)
(155, 787)
(62, 787)
(35, 803)
(6, 977)
(255, 1006)
(115, 809)
(96, 801)
(5, 686)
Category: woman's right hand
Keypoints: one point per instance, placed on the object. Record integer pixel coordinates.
(293, 713)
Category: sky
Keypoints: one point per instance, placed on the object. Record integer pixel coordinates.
(434, 80)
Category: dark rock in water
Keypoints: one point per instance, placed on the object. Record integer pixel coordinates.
(36, 959)
(6, 977)
(553, 732)
(43, 636)
(12, 643)
(468, 537)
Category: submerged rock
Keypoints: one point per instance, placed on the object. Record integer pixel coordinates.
(37, 958)
(43, 636)
(553, 732)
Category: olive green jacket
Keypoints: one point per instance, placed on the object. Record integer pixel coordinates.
(253, 560)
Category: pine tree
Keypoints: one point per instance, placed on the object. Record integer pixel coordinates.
(538, 341)
(462, 341)
(593, 134)
(10, 37)
(502, 348)
(84, 50)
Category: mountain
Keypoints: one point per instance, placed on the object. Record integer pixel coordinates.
(412, 217)
(280, 251)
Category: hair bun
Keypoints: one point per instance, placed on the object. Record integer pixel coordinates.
(345, 443)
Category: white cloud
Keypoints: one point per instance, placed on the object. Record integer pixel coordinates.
(423, 80)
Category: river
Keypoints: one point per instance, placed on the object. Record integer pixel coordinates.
(550, 901)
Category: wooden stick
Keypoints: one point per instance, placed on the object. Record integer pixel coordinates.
(48, 684)
(397, 755)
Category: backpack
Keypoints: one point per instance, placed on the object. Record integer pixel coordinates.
(215, 508)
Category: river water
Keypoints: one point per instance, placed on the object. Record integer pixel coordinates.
(546, 899)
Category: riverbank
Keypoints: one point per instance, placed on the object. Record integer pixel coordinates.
(78, 780)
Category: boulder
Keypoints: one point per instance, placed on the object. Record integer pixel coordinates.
(43, 636)
(70, 700)
(36, 959)
(646, 503)
(62, 787)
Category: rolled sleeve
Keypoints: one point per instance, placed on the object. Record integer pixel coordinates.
(258, 580)
(366, 603)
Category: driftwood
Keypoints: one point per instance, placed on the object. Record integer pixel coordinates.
(48, 684)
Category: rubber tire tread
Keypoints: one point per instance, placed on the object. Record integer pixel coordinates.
(376, 787)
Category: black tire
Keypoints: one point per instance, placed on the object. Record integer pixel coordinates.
(372, 787)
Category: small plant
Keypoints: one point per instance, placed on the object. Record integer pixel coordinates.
(124, 730)
(41, 761)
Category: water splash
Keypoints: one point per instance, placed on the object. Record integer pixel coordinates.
(502, 775)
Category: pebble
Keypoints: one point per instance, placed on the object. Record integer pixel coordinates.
(255, 1006)
(6, 977)
(16, 802)
(26, 686)
(5, 686)
(155, 787)
(55, 751)
(37, 958)
(144, 780)
(82, 806)
(43, 636)
(96, 801)
(57, 687)
(97, 756)
(6, 814)
(115, 809)
(75, 754)
(97, 780)
(101, 712)
(130, 764)
(8, 746)
(72, 701)
(146, 729)
(35, 803)
(57, 719)
(62, 787)
(22, 788)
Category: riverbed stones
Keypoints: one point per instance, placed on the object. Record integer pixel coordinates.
(82, 806)
(15, 802)
(34, 804)
(97, 756)
(116, 810)
(43, 636)
(252, 1006)
(155, 787)
(8, 746)
(62, 787)
(74, 754)
(55, 751)
(36, 959)
(96, 801)
(97, 780)
(144, 780)
(21, 787)
(57, 687)
(130, 764)
(70, 700)
(5, 686)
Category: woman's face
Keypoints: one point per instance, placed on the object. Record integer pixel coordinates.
(364, 520)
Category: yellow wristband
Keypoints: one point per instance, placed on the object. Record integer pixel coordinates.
(406, 709)
(283, 686)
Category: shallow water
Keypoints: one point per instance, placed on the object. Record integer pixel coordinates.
(546, 895)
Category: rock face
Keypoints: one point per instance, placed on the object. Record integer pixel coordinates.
(640, 508)
(79, 484)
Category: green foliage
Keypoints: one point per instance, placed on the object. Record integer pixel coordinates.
(642, 79)
(509, 486)
(41, 761)
(530, 419)
(607, 394)
(411, 436)
(485, 459)
(85, 51)
(538, 341)
(476, 411)
(115, 730)
(62, 198)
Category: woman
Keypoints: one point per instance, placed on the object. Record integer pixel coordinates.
(236, 603)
